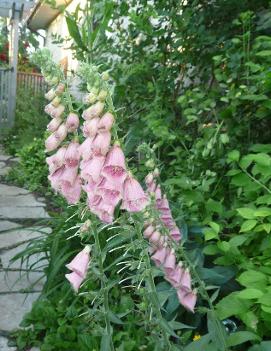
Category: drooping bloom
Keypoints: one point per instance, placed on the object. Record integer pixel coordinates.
(170, 262)
(159, 256)
(91, 169)
(93, 111)
(114, 167)
(134, 198)
(60, 89)
(90, 127)
(71, 192)
(54, 124)
(79, 267)
(72, 155)
(75, 280)
(85, 149)
(110, 193)
(72, 122)
(175, 276)
(106, 122)
(61, 132)
(57, 160)
(103, 210)
(52, 142)
(58, 111)
(187, 299)
(101, 143)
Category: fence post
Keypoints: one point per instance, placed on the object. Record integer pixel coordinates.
(14, 38)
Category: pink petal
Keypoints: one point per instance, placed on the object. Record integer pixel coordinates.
(75, 280)
(92, 169)
(148, 231)
(187, 299)
(106, 122)
(170, 262)
(51, 143)
(85, 149)
(101, 143)
(114, 167)
(72, 155)
(72, 122)
(80, 262)
(159, 256)
(90, 127)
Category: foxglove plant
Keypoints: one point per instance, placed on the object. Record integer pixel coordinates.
(90, 160)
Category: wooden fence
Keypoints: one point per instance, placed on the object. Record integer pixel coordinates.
(32, 81)
(5, 81)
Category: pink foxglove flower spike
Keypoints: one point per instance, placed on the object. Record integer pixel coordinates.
(134, 198)
(72, 122)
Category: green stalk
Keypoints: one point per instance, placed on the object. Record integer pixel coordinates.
(153, 294)
(104, 288)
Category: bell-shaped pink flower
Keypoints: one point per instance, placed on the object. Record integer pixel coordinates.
(162, 204)
(104, 211)
(69, 175)
(85, 149)
(90, 127)
(49, 109)
(58, 111)
(93, 111)
(148, 231)
(170, 262)
(101, 143)
(175, 233)
(106, 122)
(109, 192)
(158, 193)
(159, 256)
(80, 262)
(151, 186)
(71, 192)
(175, 276)
(186, 280)
(187, 299)
(61, 132)
(114, 167)
(54, 124)
(51, 143)
(56, 178)
(149, 178)
(72, 122)
(92, 168)
(57, 160)
(155, 237)
(72, 155)
(75, 280)
(134, 198)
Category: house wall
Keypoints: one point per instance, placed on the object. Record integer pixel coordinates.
(61, 53)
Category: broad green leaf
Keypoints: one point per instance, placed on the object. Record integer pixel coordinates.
(266, 299)
(267, 227)
(246, 161)
(210, 250)
(264, 53)
(263, 159)
(266, 309)
(215, 227)
(248, 225)
(252, 278)
(250, 293)
(263, 212)
(263, 346)
(217, 331)
(246, 212)
(210, 234)
(233, 156)
(241, 337)
(231, 305)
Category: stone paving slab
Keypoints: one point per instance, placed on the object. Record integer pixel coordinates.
(13, 307)
(4, 169)
(27, 200)
(12, 190)
(18, 235)
(7, 225)
(23, 212)
(32, 263)
(4, 345)
(5, 157)
(21, 281)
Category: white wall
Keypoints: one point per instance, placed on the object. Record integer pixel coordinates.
(59, 26)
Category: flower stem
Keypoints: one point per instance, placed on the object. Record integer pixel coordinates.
(153, 294)
(104, 288)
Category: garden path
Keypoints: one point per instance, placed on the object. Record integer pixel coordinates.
(21, 215)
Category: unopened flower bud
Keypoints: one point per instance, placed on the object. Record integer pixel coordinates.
(54, 80)
(50, 95)
(150, 164)
(105, 76)
(60, 88)
(56, 101)
(102, 95)
(156, 172)
(85, 226)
